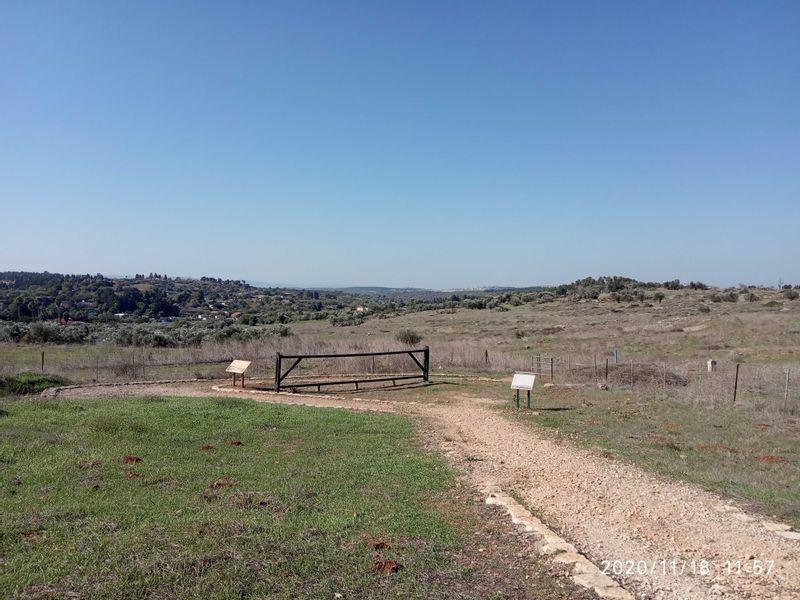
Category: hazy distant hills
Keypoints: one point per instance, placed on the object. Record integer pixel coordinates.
(415, 293)
(376, 290)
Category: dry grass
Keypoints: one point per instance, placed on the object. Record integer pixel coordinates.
(676, 333)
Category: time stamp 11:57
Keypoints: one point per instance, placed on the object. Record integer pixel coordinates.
(687, 567)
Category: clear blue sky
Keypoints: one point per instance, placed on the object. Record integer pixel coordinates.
(433, 144)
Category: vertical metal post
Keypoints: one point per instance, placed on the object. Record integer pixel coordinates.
(551, 371)
(786, 393)
(606, 370)
(529, 398)
(278, 372)
(516, 398)
(42, 360)
(427, 364)
(736, 383)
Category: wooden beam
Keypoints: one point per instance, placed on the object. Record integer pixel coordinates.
(296, 362)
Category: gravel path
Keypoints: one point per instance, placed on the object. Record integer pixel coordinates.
(612, 511)
(609, 510)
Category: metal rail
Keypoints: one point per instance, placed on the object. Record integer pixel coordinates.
(280, 374)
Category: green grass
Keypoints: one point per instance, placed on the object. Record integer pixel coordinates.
(29, 383)
(751, 457)
(288, 513)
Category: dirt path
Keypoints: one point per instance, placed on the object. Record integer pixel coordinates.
(609, 510)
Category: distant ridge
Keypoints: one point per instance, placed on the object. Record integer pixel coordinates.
(375, 290)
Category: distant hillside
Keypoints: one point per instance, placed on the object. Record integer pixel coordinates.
(375, 291)
(390, 292)
(156, 310)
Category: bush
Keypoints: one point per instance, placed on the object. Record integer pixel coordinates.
(12, 332)
(790, 294)
(42, 333)
(282, 331)
(409, 337)
(30, 383)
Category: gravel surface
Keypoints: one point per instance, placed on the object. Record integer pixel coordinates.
(609, 510)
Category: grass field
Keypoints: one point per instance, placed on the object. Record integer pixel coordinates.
(118, 498)
(677, 331)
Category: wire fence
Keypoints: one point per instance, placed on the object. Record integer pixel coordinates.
(772, 388)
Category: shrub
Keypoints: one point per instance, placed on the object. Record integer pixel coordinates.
(409, 337)
(30, 383)
(42, 333)
(282, 331)
(790, 294)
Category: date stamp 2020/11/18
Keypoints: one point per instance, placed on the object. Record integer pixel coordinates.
(678, 567)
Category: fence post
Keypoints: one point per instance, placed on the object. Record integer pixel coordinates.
(426, 363)
(42, 361)
(736, 383)
(278, 372)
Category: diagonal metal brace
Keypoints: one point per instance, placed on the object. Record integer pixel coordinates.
(289, 370)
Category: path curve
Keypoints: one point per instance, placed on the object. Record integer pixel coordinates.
(609, 510)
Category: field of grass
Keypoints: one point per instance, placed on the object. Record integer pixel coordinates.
(217, 498)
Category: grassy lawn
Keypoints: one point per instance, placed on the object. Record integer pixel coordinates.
(217, 498)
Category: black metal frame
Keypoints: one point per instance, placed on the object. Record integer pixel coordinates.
(280, 375)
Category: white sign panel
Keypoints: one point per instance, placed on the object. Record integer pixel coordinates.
(238, 366)
(523, 381)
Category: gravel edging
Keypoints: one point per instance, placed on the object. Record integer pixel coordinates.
(584, 572)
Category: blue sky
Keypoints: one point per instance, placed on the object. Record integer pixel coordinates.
(431, 144)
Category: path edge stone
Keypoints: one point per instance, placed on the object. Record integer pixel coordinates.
(585, 573)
